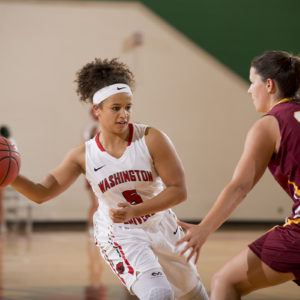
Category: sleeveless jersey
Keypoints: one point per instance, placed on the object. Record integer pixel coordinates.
(285, 165)
(131, 178)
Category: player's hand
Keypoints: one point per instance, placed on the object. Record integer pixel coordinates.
(123, 214)
(194, 239)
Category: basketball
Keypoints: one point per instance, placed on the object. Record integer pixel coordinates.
(10, 162)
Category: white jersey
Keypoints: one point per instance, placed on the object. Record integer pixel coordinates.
(131, 178)
(144, 243)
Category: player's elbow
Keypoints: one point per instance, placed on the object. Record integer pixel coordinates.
(181, 194)
(240, 190)
(40, 196)
(38, 199)
(42, 200)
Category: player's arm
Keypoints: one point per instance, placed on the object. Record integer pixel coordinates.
(260, 144)
(170, 170)
(56, 181)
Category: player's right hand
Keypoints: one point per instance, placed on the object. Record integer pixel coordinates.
(122, 214)
(194, 239)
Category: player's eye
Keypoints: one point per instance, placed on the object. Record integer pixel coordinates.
(115, 108)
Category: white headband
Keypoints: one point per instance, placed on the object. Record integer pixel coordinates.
(110, 90)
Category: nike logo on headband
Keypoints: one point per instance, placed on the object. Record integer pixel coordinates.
(121, 88)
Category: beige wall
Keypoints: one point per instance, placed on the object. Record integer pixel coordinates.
(200, 104)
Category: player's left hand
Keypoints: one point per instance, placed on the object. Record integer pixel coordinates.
(123, 214)
(194, 239)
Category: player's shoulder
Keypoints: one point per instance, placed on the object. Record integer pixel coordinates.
(138, 128)
(153, 136)
(156, 139)
(266, 123)
(154, 133)
(75, 153)
(266, 129)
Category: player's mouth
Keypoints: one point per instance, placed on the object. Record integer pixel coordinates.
(122, 123)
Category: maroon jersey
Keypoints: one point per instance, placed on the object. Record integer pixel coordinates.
(285, 165)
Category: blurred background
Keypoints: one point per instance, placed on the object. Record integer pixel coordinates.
(191, 61)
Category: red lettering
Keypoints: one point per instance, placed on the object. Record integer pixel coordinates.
(117, 178)
(150, 176)
(139, 220)
(111, 180)
(121, 176)
(101, 186)
(138, 174)
(132, 176)
(126, 176)
(144, 175)
(107, 186)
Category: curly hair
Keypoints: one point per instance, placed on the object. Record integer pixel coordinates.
(100, 73)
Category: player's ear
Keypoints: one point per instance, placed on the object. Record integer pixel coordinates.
(96, 110)
(270, 85)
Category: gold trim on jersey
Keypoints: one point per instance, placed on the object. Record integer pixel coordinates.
(284, 100)
(281, 101)
(287, 223)
(291, 221)
(296, 189)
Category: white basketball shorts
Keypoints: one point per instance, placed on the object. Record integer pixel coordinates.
(131, 251)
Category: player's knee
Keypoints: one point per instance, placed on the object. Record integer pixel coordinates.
(160, 293)
(153, 285)
(197, 293)
(221, 283)
(217, 280)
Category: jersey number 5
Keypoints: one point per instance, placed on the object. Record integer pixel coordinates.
(132, 197)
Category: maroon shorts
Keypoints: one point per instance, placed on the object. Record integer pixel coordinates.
(280, 249)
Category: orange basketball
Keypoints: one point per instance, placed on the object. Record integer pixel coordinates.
(10, 162)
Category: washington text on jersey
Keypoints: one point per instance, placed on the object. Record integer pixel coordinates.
(124, 176)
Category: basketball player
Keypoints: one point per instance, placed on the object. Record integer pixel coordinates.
(273, 141)
(137, 176)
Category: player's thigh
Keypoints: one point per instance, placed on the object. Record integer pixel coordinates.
(246, 272)
(126, 251)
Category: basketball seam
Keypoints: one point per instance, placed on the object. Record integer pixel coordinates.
(8, 150)
(13, 158)
(7, 171)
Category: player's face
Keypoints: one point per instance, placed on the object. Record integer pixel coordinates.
(116, 112)
(259, 92)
